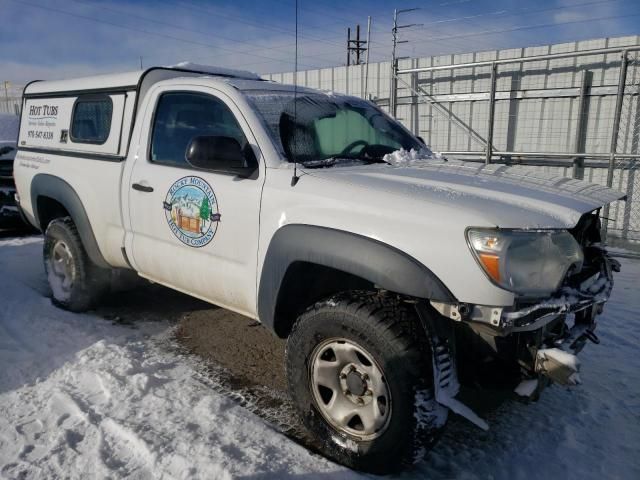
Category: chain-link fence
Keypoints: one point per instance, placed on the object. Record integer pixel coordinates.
(568, 109)
(10, 97)
(557, 108)
(624, 173)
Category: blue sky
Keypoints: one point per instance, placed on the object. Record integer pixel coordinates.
(62, 38)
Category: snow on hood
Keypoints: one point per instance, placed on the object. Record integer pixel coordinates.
(503, 194)
(405, 158)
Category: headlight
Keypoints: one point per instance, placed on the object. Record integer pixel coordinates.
(524, 261)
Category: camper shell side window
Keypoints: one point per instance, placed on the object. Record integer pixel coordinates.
(91, 119)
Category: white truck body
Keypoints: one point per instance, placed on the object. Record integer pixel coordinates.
(439, 199)
(478, 246)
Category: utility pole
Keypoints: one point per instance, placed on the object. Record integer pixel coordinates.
(355, 47)
(348, 46)
(393, 94)
(366, 62)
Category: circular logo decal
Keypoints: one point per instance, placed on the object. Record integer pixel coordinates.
(191, 210)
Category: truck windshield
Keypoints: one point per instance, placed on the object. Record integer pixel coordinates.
(318, 129)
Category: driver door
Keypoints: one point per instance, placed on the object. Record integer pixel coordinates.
(192, 229)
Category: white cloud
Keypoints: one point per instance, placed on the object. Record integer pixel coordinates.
(570, 16)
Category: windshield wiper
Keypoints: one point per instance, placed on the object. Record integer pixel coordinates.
(373, 160)
(331, 161)
(325, 162)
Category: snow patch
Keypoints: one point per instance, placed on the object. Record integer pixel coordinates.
(213, 70)
(526, 387)
(81, 397)
(409, 158)
(561, 356)
(345, 443)
(16, 242)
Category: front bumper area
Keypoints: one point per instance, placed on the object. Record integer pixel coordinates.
(577, 295)
(587, 292)
(534, 342)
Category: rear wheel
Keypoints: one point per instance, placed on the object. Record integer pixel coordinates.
(360, 373)
(76, 282)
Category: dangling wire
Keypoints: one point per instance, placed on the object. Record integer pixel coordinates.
(295, 177)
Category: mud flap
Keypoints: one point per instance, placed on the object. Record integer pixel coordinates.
(445, 378)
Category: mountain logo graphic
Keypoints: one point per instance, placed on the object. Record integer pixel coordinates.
(191, 210)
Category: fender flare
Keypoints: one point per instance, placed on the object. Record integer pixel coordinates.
(377, 262)
(56, 188)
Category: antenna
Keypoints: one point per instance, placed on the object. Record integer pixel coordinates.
(295, 177)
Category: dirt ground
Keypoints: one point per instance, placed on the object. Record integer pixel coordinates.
(250, 353)
(237, 343)
(237, 356)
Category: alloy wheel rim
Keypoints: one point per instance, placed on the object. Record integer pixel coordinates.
(349, 389)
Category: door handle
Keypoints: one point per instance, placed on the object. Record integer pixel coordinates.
(142, 188)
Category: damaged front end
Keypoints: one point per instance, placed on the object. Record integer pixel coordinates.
(535, 341)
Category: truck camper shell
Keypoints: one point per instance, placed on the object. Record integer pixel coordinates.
(63, 116)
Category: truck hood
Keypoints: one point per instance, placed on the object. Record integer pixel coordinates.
(504, 196)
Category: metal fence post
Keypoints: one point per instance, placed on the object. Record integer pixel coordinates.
(622, 80)
(581, 128)
(415, 106)
(492, 109)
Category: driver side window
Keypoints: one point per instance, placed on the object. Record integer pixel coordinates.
(181, 116)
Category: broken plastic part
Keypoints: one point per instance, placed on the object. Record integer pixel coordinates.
(560, 366)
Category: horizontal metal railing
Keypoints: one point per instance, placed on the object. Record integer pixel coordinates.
(531, 58)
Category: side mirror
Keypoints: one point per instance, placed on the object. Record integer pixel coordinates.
(220, 154)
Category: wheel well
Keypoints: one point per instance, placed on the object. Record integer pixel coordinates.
(305, 283)
(49, 209)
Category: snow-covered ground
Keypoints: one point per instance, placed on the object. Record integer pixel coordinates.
(82, 397)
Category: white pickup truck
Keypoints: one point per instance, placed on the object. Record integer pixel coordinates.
(395, 275)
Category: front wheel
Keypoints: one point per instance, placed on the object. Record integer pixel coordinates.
(360, 372)
(76, 282)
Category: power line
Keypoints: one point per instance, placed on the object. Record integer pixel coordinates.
(190, 30)
(520, 11)
(157, 34)
(449, 39)
(344, 19)
(271, 60)
(189, 6)
(525, 27)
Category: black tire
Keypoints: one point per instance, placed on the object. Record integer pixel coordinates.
(389, 331)
(87, 283)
